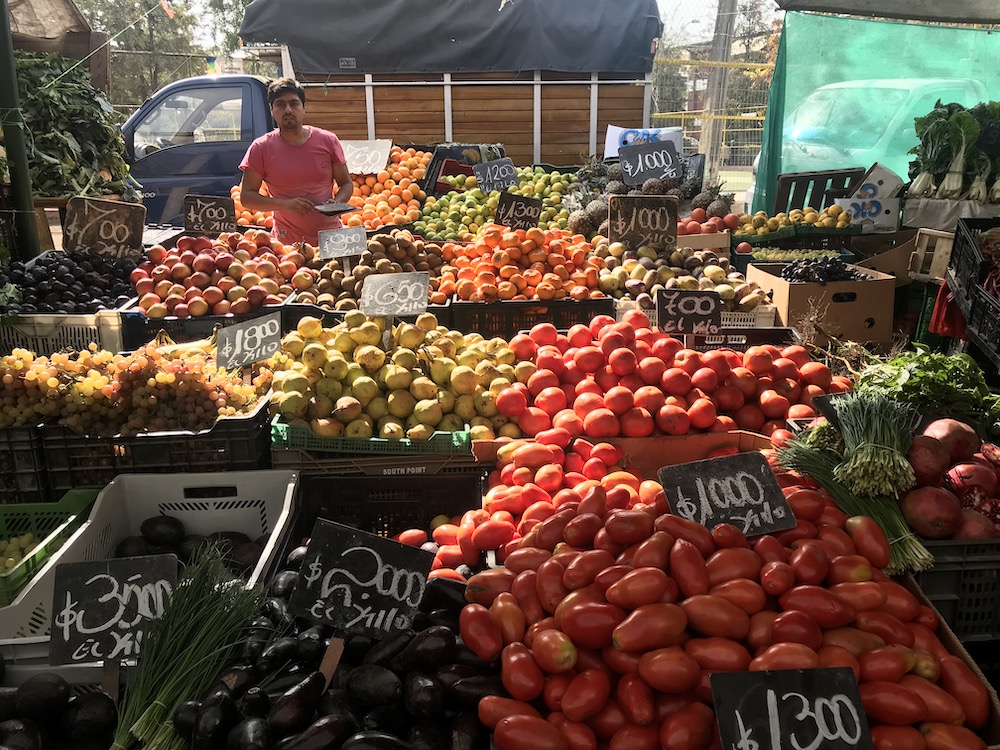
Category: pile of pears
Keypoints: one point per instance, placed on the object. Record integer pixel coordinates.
(359, 380)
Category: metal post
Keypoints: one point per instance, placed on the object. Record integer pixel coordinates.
(447, 108)
(370, 105)
(537, 126)
(593, 113)
(712, 128)
(17, 152)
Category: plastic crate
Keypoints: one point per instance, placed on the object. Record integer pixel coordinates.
(286, 436)
(51, 523)
(964, 585)
(740, 261)
(308, 464)
(22, 466)
(232, 444)
(291, 314)
(967, 260)
(760, 317)
(47, 333)
(984, 323)
(137, 330)
(505, 319)
(450, 167)
(252, 502)
(741, 339)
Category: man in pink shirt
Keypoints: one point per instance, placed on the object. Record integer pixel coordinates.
(300, 164)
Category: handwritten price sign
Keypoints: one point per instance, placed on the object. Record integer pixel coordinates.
(650, 161)
(209, 214)
(359, 583)
(366, 157)
(110, 228)
(805, 709)
(252, 341)
(517, 211)
(342, 243)
(100, 610)
(637, 220)
(740, 490)
(693, 311)
(395, 294)
(498, 174)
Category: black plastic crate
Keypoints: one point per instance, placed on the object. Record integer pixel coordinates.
(506, 319)
(313, 463)
(463, 153)
(138, 330)
(967, 259)
(964, 585)
(8, 230)
(232, 444)
(741, 339)
(292, 313)
(22, 467)
(984, 323)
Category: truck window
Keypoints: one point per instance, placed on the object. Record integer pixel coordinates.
(207, 115)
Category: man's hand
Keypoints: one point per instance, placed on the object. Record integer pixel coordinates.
(298, 205)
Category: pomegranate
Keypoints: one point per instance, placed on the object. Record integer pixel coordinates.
(990, 508)
(929, 458)
(991, 453)
(974, 525)
(972, 482)
(960, 439)
(932, 512)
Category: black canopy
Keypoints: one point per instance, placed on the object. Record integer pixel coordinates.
(942, 11)
(448, 36)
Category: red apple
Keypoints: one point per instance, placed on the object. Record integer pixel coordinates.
(241, 307)
(180, 271)
(156, 253)
(160, 273)
(172, 301)
(199, 279)
(136, 275)
(144, 286)
(148, 300)
(236, 293)
(223, 260)
(204, 263)
(191, 293)
(181, 310)
(158, 310)
(163, 288)
(198, 307)
(256, 296)
(221, 307)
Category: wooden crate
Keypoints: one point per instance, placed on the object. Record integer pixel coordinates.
(929, 262)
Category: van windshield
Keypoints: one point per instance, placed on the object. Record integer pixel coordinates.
(846, 117)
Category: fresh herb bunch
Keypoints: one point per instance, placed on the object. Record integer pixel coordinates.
(825, 437)
(906, 553)
(74, 146)
(877, 433)
(950, 384)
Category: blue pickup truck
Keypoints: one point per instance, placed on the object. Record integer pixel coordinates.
(189, 138)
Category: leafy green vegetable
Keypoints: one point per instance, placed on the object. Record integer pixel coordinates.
(949, 384)
(74, 144)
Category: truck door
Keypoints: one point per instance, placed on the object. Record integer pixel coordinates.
(189, 140)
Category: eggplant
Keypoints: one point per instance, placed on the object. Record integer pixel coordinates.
(326, 732)
(428, 735)
(257, 637)
(238, 680)
(423, 696)
(390, 718)
(429, 648)
(464, 656)
(293, 710)
(279, 653)
(280, 685)
(371, 685)
(467, 732)
(468, 691)
(20, 734)
(8, 704)
(375, 741)
(442, 593)
(341, 675)
(255, 703)
(389, 647)
(312, 645)
(442, 616)
(42, 696)
(356, 647)
(89, 715)
(450, 674)
(421, 620)
(185, 716)
(276, 610)
(218, 715)
(283, 584)
(249, 734)
(295, 557)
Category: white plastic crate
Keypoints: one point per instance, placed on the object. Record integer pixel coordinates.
(761, 317)
(47, 333)
(251, 502)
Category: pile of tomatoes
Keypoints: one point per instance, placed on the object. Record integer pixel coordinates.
(608, 619)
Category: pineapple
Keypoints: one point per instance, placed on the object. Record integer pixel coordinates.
(604, 229)
(691, 187)
(616, 187)
(708, 194)
(597, 209)
(615, 172)
(635, 191)
(721, 206)
(579, 223)
(653, 186)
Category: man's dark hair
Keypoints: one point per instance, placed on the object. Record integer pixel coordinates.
(280, 86)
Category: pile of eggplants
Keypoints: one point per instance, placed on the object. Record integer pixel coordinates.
(417, 689)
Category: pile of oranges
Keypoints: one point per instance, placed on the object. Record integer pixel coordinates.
(247, 218)
(392, 196)
(521, 265)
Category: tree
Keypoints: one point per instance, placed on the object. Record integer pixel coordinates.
(149, 48)
(226, 17)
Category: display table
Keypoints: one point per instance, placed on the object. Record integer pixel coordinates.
(938, 213)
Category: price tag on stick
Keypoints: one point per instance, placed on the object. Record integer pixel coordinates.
(807, 709)
(518, 212)
(740, 490)
(648, 161)
(366, 157)
(342, 243)
(637, 220)
(395, 294)
(111, 228)
(209, 214)
(251, 341)
(689, 311)
(100, 610)
(498, 174)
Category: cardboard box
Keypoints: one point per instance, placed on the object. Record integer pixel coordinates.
(718, 241)
(873, 215)
(887, 253)
(879, 182)
(854, 310)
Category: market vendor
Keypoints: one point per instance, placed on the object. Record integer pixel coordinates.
(300, 164)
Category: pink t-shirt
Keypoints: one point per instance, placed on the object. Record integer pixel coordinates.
(304, 171)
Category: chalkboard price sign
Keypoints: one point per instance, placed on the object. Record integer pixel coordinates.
(498, 174)
(740, 490)
(694, 311)
(359, 583)
(366, 157)
(251, 341)
(637, 220)
(342, 243)
(395, 293)
(106, 227)
(518, 212)
(209, 214)
(806, 709)
(100, 609)
(648, 161)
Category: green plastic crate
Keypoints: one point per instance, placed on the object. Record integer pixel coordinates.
(53, 523)
(292, 436)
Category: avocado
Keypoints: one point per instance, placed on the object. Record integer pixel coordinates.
(132, 546)
(20, 734)
(191, 546)
(89, 715)
(227, 540)
(371, 685)
(162, 531)
(243, 558)
(42, 696)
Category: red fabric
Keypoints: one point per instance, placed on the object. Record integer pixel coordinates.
(947, 318)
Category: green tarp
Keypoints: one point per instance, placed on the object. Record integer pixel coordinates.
(845, 91)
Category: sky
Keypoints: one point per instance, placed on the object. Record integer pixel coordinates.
(696, 16)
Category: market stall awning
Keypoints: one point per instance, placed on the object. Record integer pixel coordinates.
(449, 36)
(942, 11)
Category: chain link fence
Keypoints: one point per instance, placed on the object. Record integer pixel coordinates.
(711, 78)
